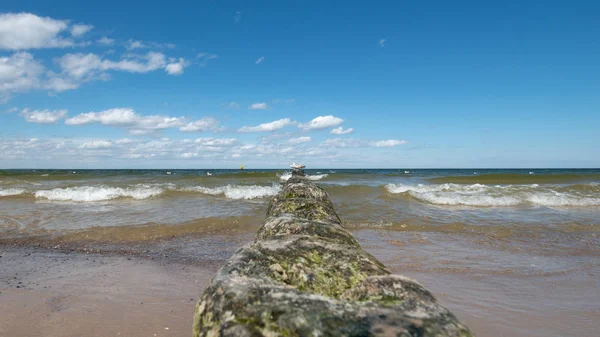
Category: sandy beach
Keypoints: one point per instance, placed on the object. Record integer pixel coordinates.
(89, 290)
(74, 294)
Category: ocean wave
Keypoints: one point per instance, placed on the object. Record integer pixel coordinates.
(98, 193)
(497, 195)
(287, 175)
(237, 191)
(517, 178)
(11, 192)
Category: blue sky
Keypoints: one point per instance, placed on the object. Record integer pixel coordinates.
(210, 84)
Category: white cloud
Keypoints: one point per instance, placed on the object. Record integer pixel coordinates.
(81, 65)
(299, 140)
(156, 152)
(43, 116)
(204, 124)
(97, 144)
(136, 44)
(127, 118)
(260, 59)
(322, 122)
(188, 155)
(168, 153)
(291, 100)
(343, 142)
(276, 152)
(382, 42)
(341, 131)
(266, 127)
(238, 16)
(275, 136)
(80, 30)
(258, 106)
(14, 109)
(18, 73)
(349, 142)
(19, 31)
(132, 44)
(117, 116)
(215, 141)
(79, 68)
(106, 41)
(388, 143)
(205, 57)
(59, 84)
(176, 67)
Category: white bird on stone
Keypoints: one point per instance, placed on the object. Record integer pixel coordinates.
(297, 166)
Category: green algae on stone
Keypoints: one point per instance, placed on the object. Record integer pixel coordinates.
(306, 275)
(285, 226)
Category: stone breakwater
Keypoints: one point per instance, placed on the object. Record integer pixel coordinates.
(305, 275)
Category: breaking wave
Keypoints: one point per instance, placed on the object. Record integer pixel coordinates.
(287, 175)
(497, 195)
(98, 193)
(237, 191)
(11, 192)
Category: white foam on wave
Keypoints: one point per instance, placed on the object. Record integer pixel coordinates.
(237, 191)
(489, 196)
(11, 191)
(98, 193)
(316, 176)
(287, 175)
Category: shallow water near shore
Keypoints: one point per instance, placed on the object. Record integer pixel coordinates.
(501, 248)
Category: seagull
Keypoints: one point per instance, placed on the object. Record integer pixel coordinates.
(208, 174)
(297, 166)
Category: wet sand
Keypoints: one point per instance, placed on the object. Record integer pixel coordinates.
(141, 289)
(496, 287)
(59, 294)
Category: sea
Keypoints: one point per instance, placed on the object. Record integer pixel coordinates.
(504, 248)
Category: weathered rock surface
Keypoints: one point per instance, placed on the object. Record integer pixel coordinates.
(305, 275)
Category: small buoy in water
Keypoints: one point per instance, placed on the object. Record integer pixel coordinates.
(169, 172)
(530, 172)
(474, 172)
